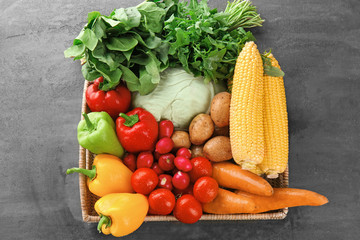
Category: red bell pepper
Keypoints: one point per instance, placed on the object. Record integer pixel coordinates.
(113, 102)
(137, 130)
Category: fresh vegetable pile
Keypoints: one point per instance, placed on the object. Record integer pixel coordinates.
(201, 137)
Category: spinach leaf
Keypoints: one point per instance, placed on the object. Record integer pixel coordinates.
(122, 44)
(130, 17)
(75, 50)
(152, 16)
(88, 38)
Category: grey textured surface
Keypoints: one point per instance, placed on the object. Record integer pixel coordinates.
(316, 42)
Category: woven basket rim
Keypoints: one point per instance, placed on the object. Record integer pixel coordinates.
(85, 159)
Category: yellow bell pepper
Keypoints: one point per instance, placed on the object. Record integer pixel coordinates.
(121, 213)
(108, 175)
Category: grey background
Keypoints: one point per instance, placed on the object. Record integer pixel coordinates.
(316, 42)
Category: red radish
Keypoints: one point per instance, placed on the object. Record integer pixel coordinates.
(166, 162)
(144, 160)
(180, 180)
(166, 128)
(184, 152)
(165, 181)
(156, 168)
(164, 145)
(130, 161)
(183, 164)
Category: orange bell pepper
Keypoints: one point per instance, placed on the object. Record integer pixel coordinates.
(108, 175)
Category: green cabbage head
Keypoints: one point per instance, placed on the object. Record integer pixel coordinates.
(178, 97)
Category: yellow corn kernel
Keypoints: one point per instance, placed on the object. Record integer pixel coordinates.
(257, 170)
(275, 125)
(246, 109)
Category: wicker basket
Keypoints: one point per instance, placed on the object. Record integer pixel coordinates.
(88, 199)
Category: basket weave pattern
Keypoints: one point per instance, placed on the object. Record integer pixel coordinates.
(88, 199)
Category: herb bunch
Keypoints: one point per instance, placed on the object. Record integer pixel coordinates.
(207, 42)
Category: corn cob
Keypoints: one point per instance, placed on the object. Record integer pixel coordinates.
(257, 170)
(275, 125)
(246, 109)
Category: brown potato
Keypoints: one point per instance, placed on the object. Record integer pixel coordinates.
(201, 129)
(221, 131)
(218, 149)
(220, 109)
(181, 139)
(197, 151)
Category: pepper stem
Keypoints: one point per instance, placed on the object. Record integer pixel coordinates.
(90, 173)
(130, 120)
(103, 220)
(89, 124)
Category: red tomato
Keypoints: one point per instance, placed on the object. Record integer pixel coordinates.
(161, 201)
(205, 189)
(130, 161)
(166, 128)
(144, 180)
(144, 160)
(200, 167)
(187, 209)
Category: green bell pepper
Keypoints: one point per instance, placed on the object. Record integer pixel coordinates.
(97, 134)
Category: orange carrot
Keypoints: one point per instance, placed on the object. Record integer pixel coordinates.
(230, 175)
(227, 202)
(284, 197)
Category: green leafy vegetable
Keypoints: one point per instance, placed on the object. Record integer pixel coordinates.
(136, 44)
(207, 42)
(126, 44)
